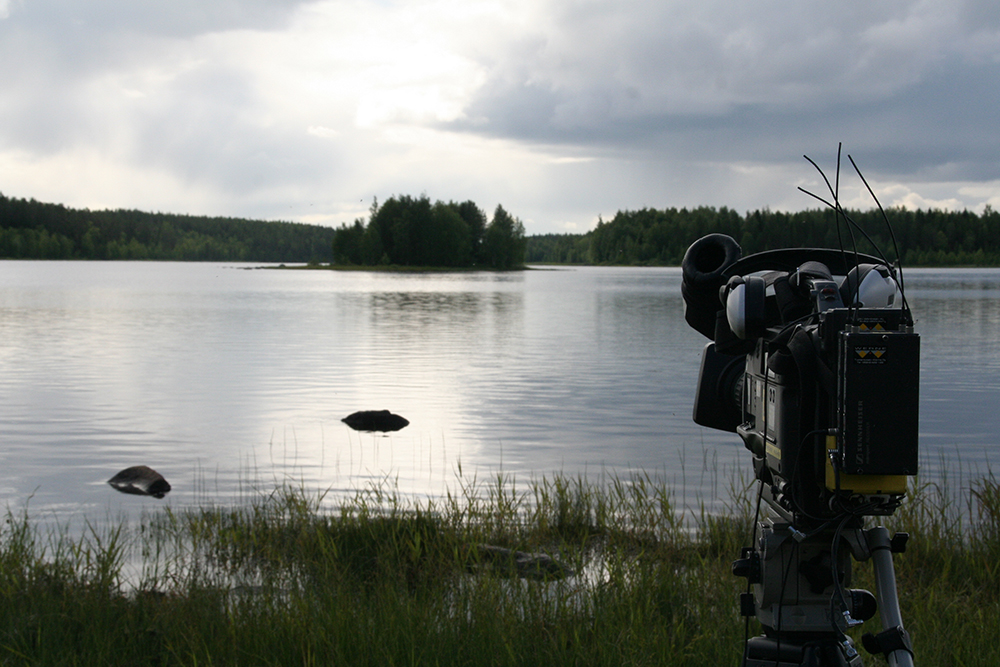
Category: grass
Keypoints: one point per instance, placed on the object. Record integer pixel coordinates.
(384, 581)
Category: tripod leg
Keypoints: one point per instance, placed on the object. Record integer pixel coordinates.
(893, 641)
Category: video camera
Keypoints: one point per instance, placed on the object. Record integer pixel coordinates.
(815, 364)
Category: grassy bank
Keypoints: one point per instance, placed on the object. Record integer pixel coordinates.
(385, 581)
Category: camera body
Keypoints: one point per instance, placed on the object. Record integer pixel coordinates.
(816, 367)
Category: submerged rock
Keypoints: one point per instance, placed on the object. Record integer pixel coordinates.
(521, 564)
(141, 481)
(375, 420)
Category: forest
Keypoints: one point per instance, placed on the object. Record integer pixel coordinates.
(403, 231)
(650, 237)
(36, 230)
(413, 231)
(408, 231)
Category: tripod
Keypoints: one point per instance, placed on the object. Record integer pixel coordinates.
(799, 594)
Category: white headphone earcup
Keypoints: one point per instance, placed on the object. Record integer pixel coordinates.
(870, 286)
(745, 307)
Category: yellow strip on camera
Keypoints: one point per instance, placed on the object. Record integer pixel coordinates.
(868, 485)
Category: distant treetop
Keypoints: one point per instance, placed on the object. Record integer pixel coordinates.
(412, 231)
(35, 230)
(651, 237)
(408, 231)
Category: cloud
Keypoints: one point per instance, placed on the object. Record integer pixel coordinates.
(561, 110)
(634, 71)
(180, 18)
(902, 196)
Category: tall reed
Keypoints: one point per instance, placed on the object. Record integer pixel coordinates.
(383, 580)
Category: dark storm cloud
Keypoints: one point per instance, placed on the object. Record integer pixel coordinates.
(911, 82)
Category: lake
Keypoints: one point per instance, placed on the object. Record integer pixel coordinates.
(232, 379)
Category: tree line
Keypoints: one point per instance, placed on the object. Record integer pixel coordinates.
(660, 237)
(409, 231)
(36, 230)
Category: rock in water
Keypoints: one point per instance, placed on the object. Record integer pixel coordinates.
(375, 420)
(507, 562)
(141, 481)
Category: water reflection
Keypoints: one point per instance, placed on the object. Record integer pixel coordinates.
(227, 380)
(958, 317)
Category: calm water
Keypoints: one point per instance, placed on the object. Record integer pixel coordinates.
(226, 379)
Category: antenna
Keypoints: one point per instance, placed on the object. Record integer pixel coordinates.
(852, 225)
(841, 214)
(892, 235)
(840, 240)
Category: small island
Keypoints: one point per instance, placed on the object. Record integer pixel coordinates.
(413, 232)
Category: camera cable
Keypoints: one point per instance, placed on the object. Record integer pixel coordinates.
(838, 587)
(753, 543)
(840, 596)
(794, 476)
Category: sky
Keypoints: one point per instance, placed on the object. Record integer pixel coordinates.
(562, 111)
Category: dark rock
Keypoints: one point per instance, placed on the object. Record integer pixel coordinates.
(141, 481)
(375, 420)
(508, 562)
